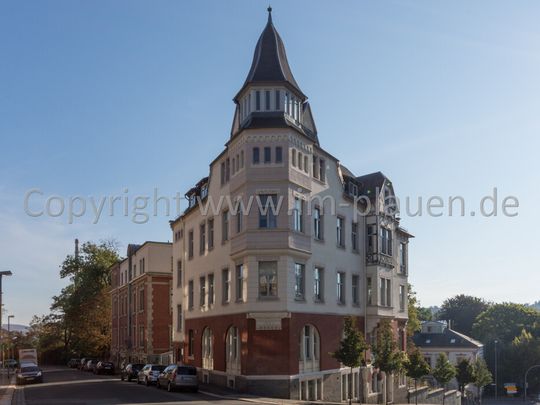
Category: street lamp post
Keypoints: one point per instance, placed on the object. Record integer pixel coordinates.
(9, 338)
(496, 341)
(2, 273)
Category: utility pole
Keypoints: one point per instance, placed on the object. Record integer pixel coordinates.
(2, 273)
(496, 381)
(9, 339)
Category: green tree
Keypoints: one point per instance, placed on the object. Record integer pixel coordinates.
(481, 376)
(464, 374)
(413, 323)
(388, 357)
(351, 347)
(443, 371)
(523, 352)
(416, 368)
(462, 310)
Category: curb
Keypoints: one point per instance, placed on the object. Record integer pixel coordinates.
(8, 394)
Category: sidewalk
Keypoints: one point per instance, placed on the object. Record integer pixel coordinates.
(7, 387)
(226, 393)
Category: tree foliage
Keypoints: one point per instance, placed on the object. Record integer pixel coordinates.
(416, 366)
(444, 371)
(79, 322)
(464, 374)
(388, 357)
(481, 375)
(352, 346)
(413, 323)
(462, 310)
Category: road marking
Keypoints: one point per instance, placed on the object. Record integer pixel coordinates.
(53, 384)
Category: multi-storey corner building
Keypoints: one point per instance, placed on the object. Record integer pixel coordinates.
(259, 296)
(141, 308)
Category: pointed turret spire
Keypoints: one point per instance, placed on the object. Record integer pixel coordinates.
(270, 64)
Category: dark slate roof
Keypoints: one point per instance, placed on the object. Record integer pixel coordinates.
(448, 338)
(371, 182)
(270, 60)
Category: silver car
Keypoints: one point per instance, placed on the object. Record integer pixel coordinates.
(174, 377)
(29, 373)
(149, 374)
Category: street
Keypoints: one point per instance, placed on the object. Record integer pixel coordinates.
(69, 386)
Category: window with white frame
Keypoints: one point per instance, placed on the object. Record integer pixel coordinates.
(340, 231)
(403, 258)
(340, 285)
(256, 158)
(202, 238)
(226, 284)
(386, 241)
(208, 349)
(225, 226)
(232, 351)
(299, 281)
(385, 292)
(298, 216)
(402, 297)
(190, 294)
(211, 234)
(354, 236)
(318, 283)
(267, 210)
(211, 290)
(268, 279)
(309, 349)
(356, 289)
(240, 282)
(202, 291)
(317, 223)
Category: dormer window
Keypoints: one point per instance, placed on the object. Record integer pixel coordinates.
(258, 100)
(192, 199)
(204, 191)
(278, 101)
(267, 99)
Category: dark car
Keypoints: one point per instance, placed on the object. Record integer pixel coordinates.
(174, 377)
(29, 374)
(74, 363)
(104, 367)
(83, 362)
(131, 371)
(91, 365)
(149, 374)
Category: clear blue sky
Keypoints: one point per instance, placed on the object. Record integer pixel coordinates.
(443, 97)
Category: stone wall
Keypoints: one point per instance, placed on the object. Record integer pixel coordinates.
(434, 396)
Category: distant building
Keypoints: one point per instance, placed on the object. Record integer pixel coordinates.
(436, 337)
(260, 295)
(141, 310)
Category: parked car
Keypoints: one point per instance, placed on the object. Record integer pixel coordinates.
(11, 363)
(174, 377)
(82, 364)
(149, 374)
(74, 363)
(131, 371)
(104, 367)
(90, 365)
(29, 374)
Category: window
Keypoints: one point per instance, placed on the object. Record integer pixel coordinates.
(300, 160)
(385, 292)
(239, 221)
(318, 284)
(402, 298)
(355, 289)
(298, 216)
(227, 169)
(225, 226)
(210, 234)
(278, 96)
(191, 342)
(317, 224)
(340, 232)
(267, 99)
(309, 352)
(211, 292)
(267, 217)
(306, 167)
(403, 258)
(322, 170)
(190, 294)
(340, 288)
(208, 349)
(279, 154)
(202, 238)
(141, 300)
(241, 159)
(293, 157)
(179, 273)
(179, 318)
(257, 100)
(299, 281)
(143, 267)
(141, 336)
(267, 154)
(232, 350)
(240, 282)
(267, 279)
(354, 236)
(369, 291)
(315, 161)
(202, 291)
(256, 156)
(371, 238)
(386, 241)
(190, 244)
(226, 285)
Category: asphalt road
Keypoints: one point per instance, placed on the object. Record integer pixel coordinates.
(63, 386)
